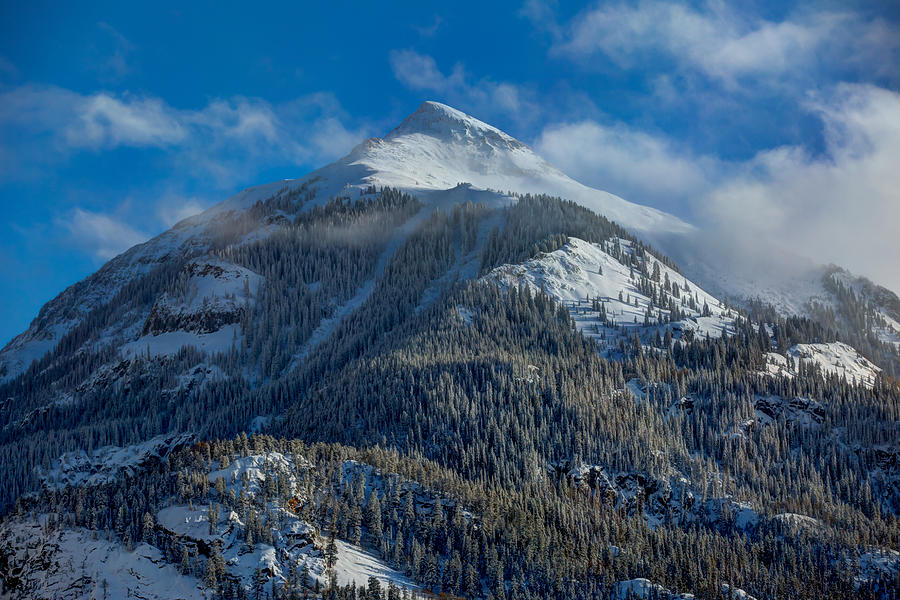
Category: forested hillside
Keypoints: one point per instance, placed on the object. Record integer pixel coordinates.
(465, 435)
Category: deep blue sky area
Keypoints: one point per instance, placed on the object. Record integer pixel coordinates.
(118, 119)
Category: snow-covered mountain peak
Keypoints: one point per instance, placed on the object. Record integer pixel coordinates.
(447, 123)
(438, 147)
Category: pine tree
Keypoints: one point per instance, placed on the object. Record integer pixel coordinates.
(305, 574)
(373, 518)
(147, 528)
(331, 553)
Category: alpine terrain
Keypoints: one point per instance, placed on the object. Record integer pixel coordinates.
(439, 367)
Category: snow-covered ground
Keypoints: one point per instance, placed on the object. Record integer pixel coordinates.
(74, 564)
(832, 358)
(800, 410)
(70, 563)
(202, 311)
(249, 472)
(878, 562)
(663, 500)
(170, 342)
(644, 589)
(355, 565)
(798, 522)
(582, 274)
(293, 542)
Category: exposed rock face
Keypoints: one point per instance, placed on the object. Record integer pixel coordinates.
(209, 295)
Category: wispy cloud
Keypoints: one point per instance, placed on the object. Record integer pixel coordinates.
(172, 208)
(228, 140)
(841, 206)
(224, 143)
(428, 31)
(102, 236)
(724, 44)
(542, 14)
(104, 121)
(117, 63)
(485, 96)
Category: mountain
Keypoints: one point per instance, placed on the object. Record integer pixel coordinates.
(428, 155)
(461, 372)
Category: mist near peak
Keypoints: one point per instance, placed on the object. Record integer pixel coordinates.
(783, 213)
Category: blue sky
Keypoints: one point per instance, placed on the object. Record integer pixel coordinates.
(767, 120)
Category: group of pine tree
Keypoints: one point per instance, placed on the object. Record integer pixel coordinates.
(476, 410)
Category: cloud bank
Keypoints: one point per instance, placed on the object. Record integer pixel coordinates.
(841, 205)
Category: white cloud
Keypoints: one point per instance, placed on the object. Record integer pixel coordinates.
(100, 235)
(627, 162)
(172, 208)
(485, 97)
(724, 44)
(429, 30)
(839, 206)
(117, 63)
(225, 143)
(228, 140)
(102, 121)
(542, 15)
(420, 72)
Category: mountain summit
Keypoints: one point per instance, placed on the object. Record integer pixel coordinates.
(438, 147)
(446, 122)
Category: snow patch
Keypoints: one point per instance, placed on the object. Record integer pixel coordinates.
(591, 282)
(355, 565)
(839, 359)
(70, 564)
(170, 343)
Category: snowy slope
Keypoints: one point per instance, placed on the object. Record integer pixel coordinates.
(59, 560)
(834, 358)
(64, 312)
(438, 147)
(582, 275)
(795, 286)
(189, 238)
(210, 293)
(74, 563)
(203, 311)
(69, 563)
